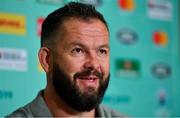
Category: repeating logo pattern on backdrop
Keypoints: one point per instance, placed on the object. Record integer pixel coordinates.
(126, 64)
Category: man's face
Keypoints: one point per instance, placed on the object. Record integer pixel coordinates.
(81, 65)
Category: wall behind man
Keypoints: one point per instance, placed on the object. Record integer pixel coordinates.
(145, 54)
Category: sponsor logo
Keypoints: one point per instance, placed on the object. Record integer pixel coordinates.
(39, 25)
(160, 38)
(55, 2)
(162, 97)
(160, 9)
(127, 36)
(12, 24)
(96, 3)
(127, 5)
(13, 59)
(161, 70)
(127, 68)
(6, 94)
(116, 99)
(163, 107)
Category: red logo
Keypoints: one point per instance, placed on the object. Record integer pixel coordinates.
(126, 4)
(39, 25)
(160, 38)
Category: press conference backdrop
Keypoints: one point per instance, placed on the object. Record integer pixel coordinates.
(145, 54)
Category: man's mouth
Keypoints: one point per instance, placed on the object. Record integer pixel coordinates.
(87, 81)
(88, 78)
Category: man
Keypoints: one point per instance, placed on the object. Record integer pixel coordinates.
(75, 56)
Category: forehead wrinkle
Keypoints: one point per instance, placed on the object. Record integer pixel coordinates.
(84, 36)
(82, 40)
(89, 31)
(96, 27)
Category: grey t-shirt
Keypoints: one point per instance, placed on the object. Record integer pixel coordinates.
(38, 108)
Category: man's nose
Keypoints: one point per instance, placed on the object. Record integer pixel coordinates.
(92, 63)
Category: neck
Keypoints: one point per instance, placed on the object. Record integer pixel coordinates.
(58, 108)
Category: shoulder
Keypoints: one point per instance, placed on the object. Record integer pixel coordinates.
(21, 112)
(36, 108)
(104, 111)
(25, 111)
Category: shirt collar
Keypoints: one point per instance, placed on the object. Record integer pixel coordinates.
(39, 107)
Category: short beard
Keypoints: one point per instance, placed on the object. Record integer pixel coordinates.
(70, 93)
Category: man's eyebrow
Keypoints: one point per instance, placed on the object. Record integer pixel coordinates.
(76, 44)
(84, 46)
(105, 46)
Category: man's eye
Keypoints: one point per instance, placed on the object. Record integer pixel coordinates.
(77, 51)
(102, 52)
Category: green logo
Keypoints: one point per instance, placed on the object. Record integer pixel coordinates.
(127, 68)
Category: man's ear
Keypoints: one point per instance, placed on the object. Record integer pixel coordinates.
(44, 58)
